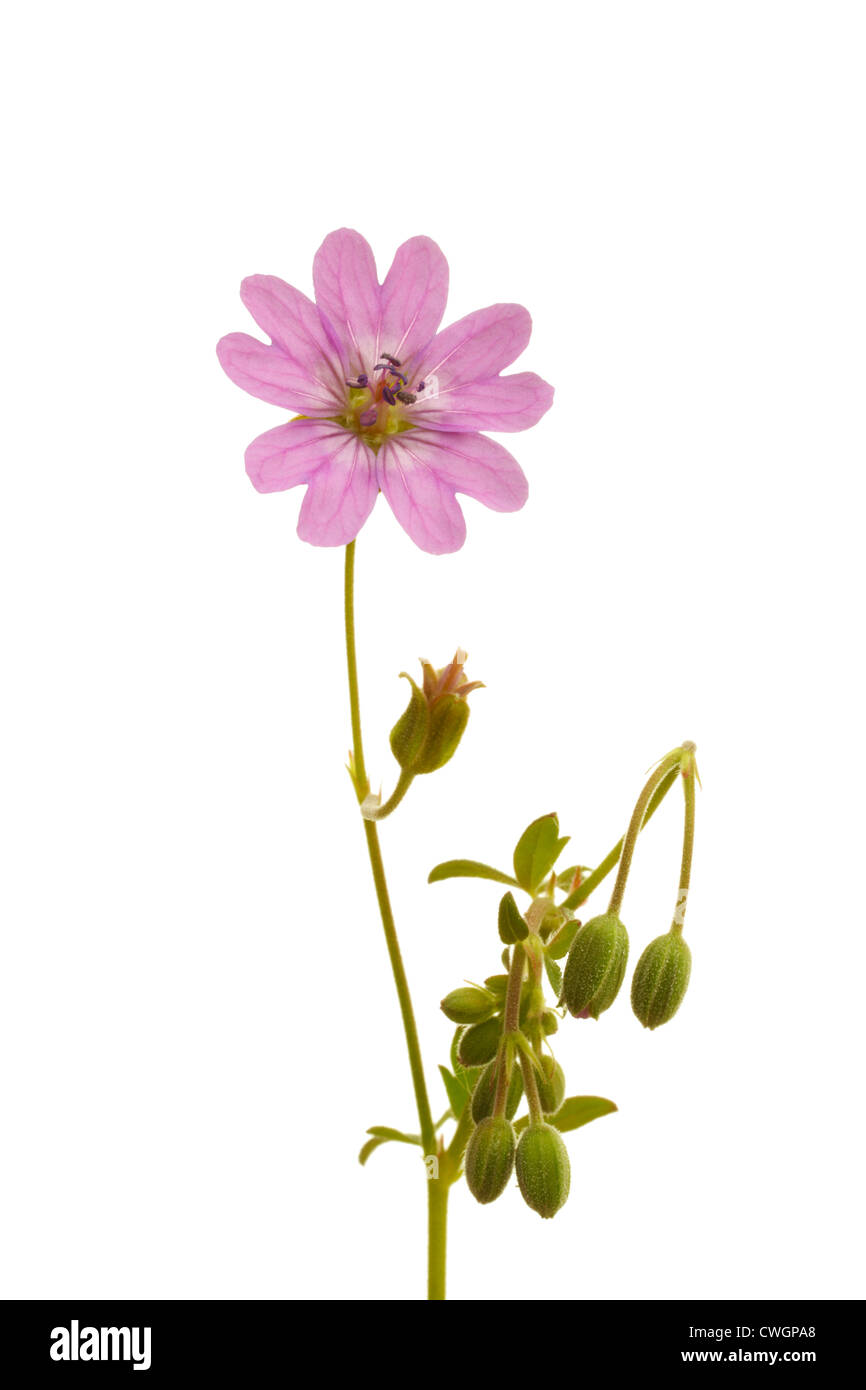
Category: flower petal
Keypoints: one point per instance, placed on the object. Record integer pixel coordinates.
(341, 495)
(290, 454)
(424, 505)
(478, 346)
(348, 295)
(473, 464)
(413, 298)
(265, 371)
(295, 325)
(504, 403)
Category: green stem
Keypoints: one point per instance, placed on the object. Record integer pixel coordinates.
(689, 776)
(436, 1187)
(671, 762)
(589, 885)
(376, 812)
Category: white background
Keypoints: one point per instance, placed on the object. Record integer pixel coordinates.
(197, 1018)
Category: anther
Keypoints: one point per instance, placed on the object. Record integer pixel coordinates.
(407, 397)
(386, 357)
(389, 395)
(368, 417)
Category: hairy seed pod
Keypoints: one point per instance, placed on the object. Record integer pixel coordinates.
(551, 1086)
(468, 1005)
(490, 1159)
(543, 1169)
(498, 985)
(661, 978)
(595, 967)
(478, 1044)
(484, 1095)
(549, 1022)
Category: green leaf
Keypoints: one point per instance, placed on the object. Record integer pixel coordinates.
(511, 925)
(457, 1092)
(560, 944)
(370, 1147)
(554, 974)
(537, 851)
(469, 868)
(574, 1112)
(384, 1132)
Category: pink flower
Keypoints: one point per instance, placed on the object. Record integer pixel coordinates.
(385, 403)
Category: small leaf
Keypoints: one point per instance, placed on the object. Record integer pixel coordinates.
(511, 925)
(370, 1147)
(385, 1132)
(559, 945)
(537, 851)
(457, 1092)
(574, 1112)
(469, 868)
(554, 974)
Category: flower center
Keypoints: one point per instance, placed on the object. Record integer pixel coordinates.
(377, 407)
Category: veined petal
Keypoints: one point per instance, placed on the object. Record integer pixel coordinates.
(341, 495)
(470, 463)
(290, 454)
(294, 323)
(424, 505)
(348, 295)
(504, 404)
(413, 298)
(265, 371)
(478, 346)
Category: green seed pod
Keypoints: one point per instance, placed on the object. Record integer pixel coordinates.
(551, 1087)
(543, 1169)
(484, 1094)
(447, 721)
(478, 1044)
(490, 1159)
(410, 731)
(468, 1005)
(549, 1022)
(661, 979)
(595, 967)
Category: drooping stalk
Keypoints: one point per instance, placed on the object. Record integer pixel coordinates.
(437, 1186)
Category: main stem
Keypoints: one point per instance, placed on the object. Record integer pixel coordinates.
(437, 1188)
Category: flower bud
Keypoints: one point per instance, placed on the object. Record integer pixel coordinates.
(543, 1169)
(484, 1095)
(549, 1022)
(478, 1044)
(490, 1159)
(468, 1005)
(497, 984)
(551, 1086)
(426, 735)
(595, 967)
(660, 980)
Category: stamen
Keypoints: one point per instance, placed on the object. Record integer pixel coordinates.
(386, 357)
(407, 397)
(389, 395)
(368, 417)
(421, 385)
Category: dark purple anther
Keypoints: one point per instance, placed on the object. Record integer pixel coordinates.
(421, 385)
(386, 357)
(400, 377)
(363, 379)
(406, 397)
(368, 417)
(389, 395)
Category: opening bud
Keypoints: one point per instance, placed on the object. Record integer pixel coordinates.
(490, 1159)
(543, 1169)
(426, 735)
(595, 967)
(661, 979)
(468, 1005)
